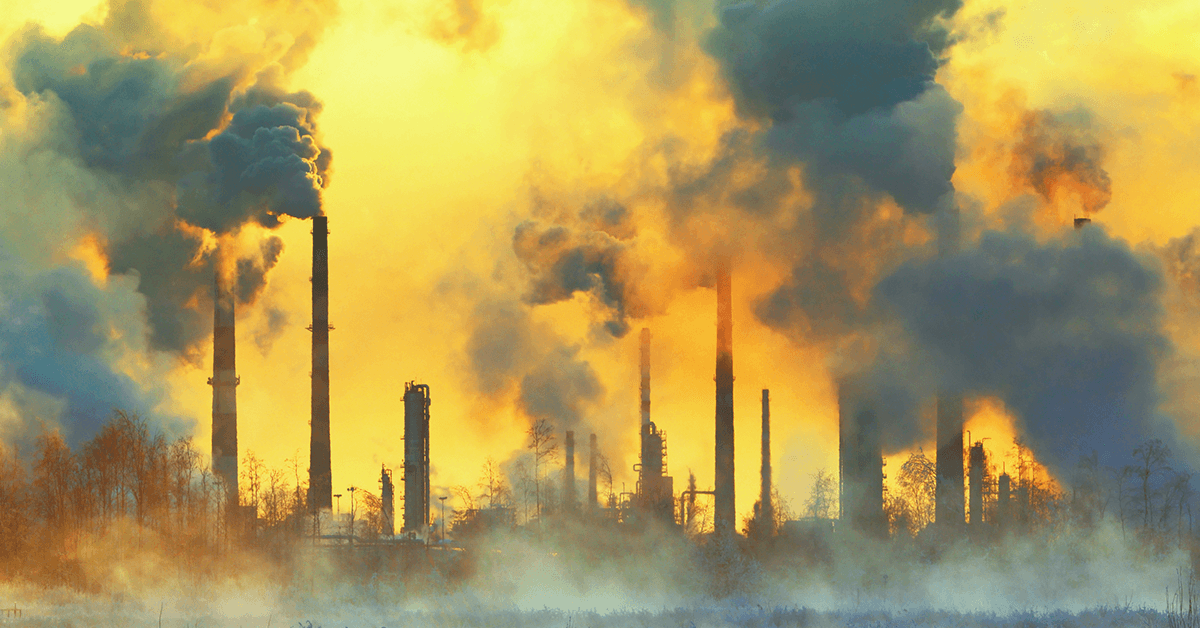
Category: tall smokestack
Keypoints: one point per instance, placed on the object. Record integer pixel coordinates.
(1004, 491)
(320, 474)
(724, 512)
(416, 457)
(976, 483)
(569, 472)
(766, 508)
(387, 524)
(224, 382)
(593, 460)
(949, 490)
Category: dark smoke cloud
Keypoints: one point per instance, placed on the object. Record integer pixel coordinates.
(848, 87)
(1068, 333)
(138, 134)
(133, 118)
(562, 261)
(509, 355)
(559, 388)
(1060, 154)
(55, 340)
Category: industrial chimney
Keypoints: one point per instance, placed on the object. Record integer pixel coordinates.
(416, 458)
(654, 489)
(976, 486)
(1003, 497)
(593, 460)
(724, 512)
(766, 509)
(320, 474)
(224, 382)
(569, 472)
(949, 465)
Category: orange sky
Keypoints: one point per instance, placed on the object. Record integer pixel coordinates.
(438, 139)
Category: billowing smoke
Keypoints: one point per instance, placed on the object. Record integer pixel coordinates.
(511, 357)
(562, 261)
(1073, 352)
(1059, 156)
(147, 143)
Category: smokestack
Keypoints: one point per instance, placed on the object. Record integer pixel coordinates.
(1082, 222)
(724, 513)
(224, 382)
(976, 483)
(766, 508)
(593, 455)
(569, 472)
(949, 490)
(416, 457)
(320, 474)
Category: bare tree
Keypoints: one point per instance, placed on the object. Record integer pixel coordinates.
(822, 496)
(918, 486)
(543, 445)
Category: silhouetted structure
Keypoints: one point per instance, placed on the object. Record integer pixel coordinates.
(416, 458)
(976, 485)
(593, 460)
(724, 512)
(655, 488)
(224, 381)
(387, 515)
(766, 509)
(569, 472)
(860, 458)
(949, 491)
(320, 473)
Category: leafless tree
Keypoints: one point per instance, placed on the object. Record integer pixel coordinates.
(544, 446)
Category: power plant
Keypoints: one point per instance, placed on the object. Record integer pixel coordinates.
(860, 479)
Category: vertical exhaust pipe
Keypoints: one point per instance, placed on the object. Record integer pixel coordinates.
(724, 513)
(320, 474)
(593, 460)
(224, 381)
(766, 508)
(569, 472)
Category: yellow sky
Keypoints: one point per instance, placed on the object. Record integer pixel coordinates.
(437, 141)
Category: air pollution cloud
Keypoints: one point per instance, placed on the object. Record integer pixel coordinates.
(148, 145)
(1059, 156)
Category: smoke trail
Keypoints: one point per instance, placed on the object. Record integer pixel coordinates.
(1059, 156)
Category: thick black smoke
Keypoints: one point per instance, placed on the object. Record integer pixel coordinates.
(142, 120)
(562, 261)
(125, 132)
(1068, 333)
